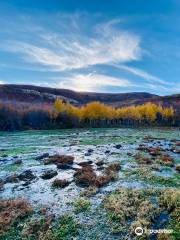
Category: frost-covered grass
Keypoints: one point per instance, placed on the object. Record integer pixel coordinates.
(124, 185)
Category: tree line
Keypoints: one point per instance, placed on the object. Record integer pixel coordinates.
(94, 114)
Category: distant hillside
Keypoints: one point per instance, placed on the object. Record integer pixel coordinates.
(27, 94)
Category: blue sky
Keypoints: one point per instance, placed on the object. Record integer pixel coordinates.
(97, 45)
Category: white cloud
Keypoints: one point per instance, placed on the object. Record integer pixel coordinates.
(141, 73)
(71, 51)
(2, 82)
(92, 82)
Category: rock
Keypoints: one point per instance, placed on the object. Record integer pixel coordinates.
(118, 146)
(1, 185)
(64, 166)
(100, 163)
(178, 168)
(49, 174)
(90, 150)
(129, 154)
(26, 176)
(12, 179)
(107, 151)
(18, 162)
(45, 155)
(59, 183)
(85, 163)
(87, 154)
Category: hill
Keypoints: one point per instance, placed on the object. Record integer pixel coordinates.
(30, 95)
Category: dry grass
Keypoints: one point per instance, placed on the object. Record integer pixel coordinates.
(11, 210)
(143, 160)
(170, 199)
(63, 159)
(115, 167)
(86, 177)
(59, 183)
(166, 160)
(38, 229)
(127, 206)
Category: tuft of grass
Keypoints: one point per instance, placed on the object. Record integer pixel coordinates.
(90, 191)
(170, 199)
(82, 205)
(114, 167)
(59, 183)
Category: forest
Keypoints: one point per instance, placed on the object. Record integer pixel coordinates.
(93, 114)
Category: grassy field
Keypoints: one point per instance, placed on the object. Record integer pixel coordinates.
(90, 184)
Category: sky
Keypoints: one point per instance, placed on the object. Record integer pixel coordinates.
(91, 45)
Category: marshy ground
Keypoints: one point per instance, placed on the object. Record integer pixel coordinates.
(89, 184)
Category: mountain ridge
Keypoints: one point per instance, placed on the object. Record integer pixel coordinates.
(31, 94)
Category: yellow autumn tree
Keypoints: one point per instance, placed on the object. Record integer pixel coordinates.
(59, 106)
(100, 111)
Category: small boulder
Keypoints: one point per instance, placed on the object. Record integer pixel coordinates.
(1, 185)
(12, 179)
(49, 174)
(118, 146)
(178, 168)
(90, 150)
(45, 155)
(87, 154)
(107, 151)
(100, 163)
(64, 166)
(85, 163)
(26, 176)
(17, 162)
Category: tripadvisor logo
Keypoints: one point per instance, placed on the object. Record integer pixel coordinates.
(139, 231)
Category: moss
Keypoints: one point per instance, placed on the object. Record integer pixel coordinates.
(66, 229)
(90, 191)
(18, 150)
(145, 174)
(10, 168)
(37, 228)
(130, 208)
(170, 200)
(81, 205)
